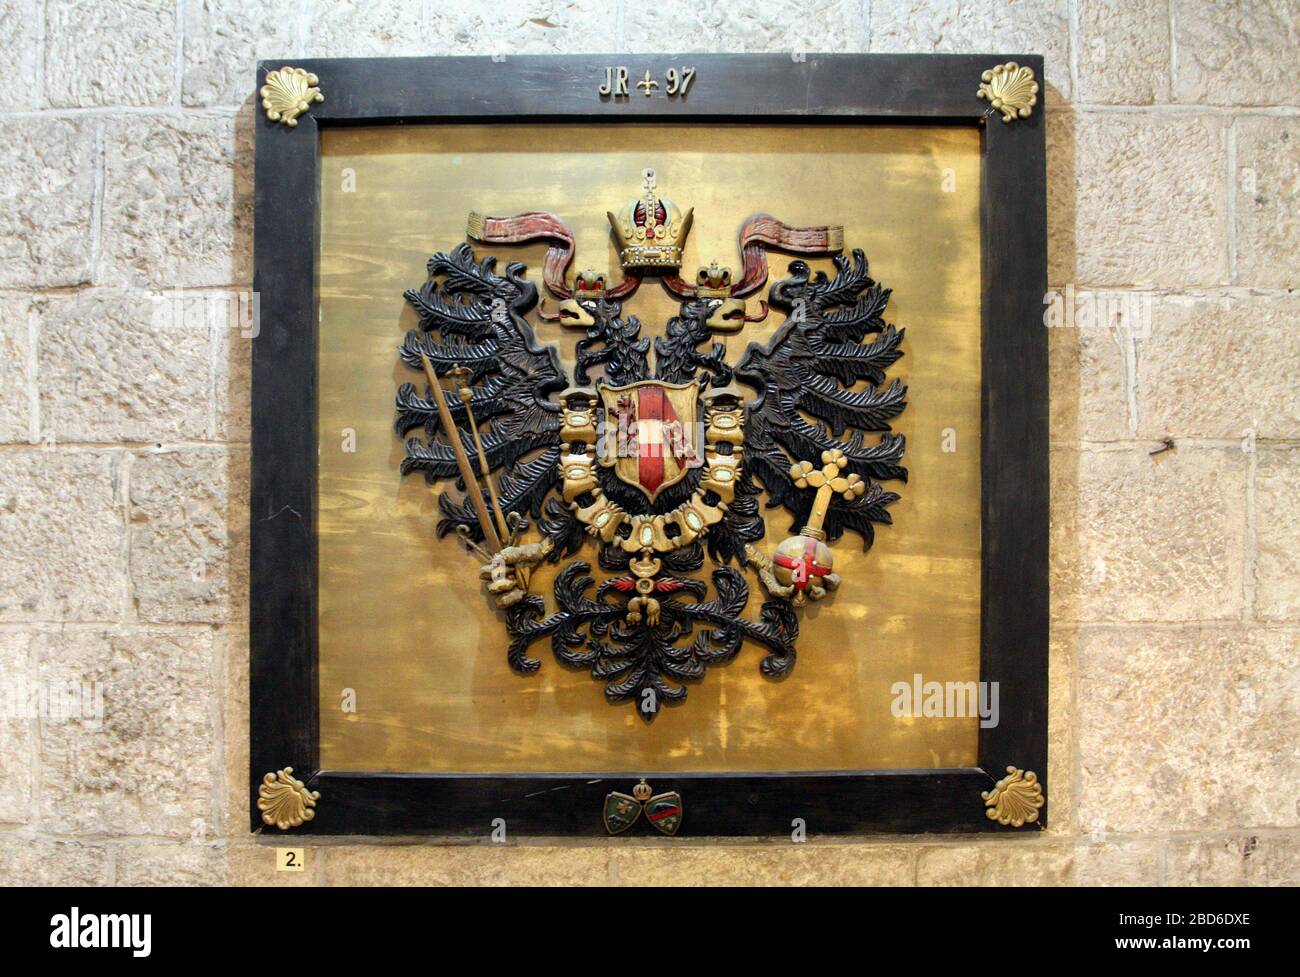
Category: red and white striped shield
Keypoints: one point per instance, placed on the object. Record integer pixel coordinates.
(650, 435)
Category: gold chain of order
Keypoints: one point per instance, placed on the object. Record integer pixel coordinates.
(666, 531)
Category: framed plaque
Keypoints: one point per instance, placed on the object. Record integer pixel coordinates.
(650, 445)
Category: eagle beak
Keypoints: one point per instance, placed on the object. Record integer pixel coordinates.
(732, 315)
(573, 314)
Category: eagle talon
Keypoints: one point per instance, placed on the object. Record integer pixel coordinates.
(639, 608)
(801, 571)
(508, 571)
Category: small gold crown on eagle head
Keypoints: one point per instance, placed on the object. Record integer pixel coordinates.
(589, 285)
(713, 282)
(651, 230)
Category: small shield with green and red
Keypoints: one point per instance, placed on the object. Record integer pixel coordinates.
(664, 811)
(621, 810)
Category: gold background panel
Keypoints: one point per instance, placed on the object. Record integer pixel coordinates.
(404, 622)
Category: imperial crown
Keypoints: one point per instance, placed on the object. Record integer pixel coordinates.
(651, 230)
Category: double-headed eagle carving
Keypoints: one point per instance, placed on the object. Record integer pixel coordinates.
(658, 460)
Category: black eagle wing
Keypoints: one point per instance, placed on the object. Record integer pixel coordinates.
(472, 317)
(822, 386)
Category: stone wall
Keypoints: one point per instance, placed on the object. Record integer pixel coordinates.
(1174, 151)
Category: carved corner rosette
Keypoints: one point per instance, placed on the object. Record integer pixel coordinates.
(1010, 89)
(288, 93)
(1015, 799)
(285, 801)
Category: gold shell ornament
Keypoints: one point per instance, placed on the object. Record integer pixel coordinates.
(1015, 799)
(285, 801)
(1010, 88)
(288, 93)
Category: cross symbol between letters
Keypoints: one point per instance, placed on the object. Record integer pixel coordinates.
(828, 481)
(647, 83)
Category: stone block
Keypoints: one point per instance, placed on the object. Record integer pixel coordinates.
(110, 52)
(146, 767)
(1137, 537)
(1187, 729)
(61, 510)
(47, 202)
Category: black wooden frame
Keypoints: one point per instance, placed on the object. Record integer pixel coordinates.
(924, 89)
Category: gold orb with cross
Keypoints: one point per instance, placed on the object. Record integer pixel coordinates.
(801, 561)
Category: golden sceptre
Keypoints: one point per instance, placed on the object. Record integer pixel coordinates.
(462, 460)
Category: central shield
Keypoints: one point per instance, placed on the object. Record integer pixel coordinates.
(651, 440)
